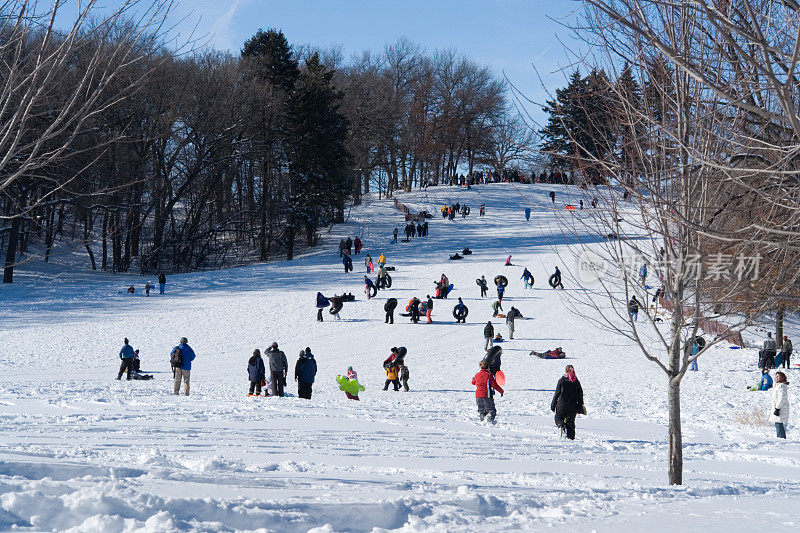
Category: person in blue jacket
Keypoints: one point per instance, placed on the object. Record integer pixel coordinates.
(126, 354)
(695, 350)
(765, 383)
(643, 274)
(257, 373)
(527, 277)
(304, 372)
(527, 213)
(500, 291)
(182, 372)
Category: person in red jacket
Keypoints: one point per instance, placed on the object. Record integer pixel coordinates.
(483, 380)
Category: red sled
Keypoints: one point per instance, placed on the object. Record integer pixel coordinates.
(558, 353)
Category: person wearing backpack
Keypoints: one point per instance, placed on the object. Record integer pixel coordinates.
(181, 359)
(304, 372)
(278, 367)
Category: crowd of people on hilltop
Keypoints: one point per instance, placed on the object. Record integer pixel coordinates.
(567, 401)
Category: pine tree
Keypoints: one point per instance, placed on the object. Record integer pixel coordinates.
(579, 131)
(318, 160)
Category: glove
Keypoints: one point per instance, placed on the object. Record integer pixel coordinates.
(777, 412)
(501, 394)
(553, 409)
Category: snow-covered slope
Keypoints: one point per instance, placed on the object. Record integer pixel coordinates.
(81, 450)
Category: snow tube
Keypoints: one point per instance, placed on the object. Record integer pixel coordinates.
(388, 281)
(466, 210)
(335, 307)
(450, 288)
(466, 251)
(390, 305)
(500, 378)
(552, 281)
(460, 312)
(372, 290)
(701, 342)
(351, 386)
(501, 280)
(322, 302)
(492, 354)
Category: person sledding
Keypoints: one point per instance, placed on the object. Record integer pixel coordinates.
(508, 261)
(764, 384)
(527, 277)
(484, 383)
(349, 384)
(497, 306)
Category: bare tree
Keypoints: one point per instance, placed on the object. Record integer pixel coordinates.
(47, 101)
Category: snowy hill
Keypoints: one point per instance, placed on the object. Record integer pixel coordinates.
(81, 450)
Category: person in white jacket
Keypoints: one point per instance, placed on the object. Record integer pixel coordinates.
(780, 404)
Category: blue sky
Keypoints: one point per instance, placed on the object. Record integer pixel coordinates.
(510, 36)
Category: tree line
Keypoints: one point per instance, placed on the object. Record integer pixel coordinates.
(153, 158)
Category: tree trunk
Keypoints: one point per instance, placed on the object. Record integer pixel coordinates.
(675, 434)
(11, 251)
(49, 235)
(104, 264)
(779, 328)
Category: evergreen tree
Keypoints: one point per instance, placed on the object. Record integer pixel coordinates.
(270, 73)
(318, 159)
(579, 131)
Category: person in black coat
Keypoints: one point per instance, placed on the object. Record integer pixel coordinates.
(304, 373)
(415, 309)
(257, 372)
(567, 402)
(389, 307)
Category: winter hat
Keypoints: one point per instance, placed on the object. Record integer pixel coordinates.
(273, 345)
(349, 368)
(125, 340)
(570, 373)
(308, 350)
(183, 340)
(302, 353)
(256, 352)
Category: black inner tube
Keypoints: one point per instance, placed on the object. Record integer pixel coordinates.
(335, 308)
(388, 281)
(501, 280)
(460, 313)
(552, 281)
(373, 291)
